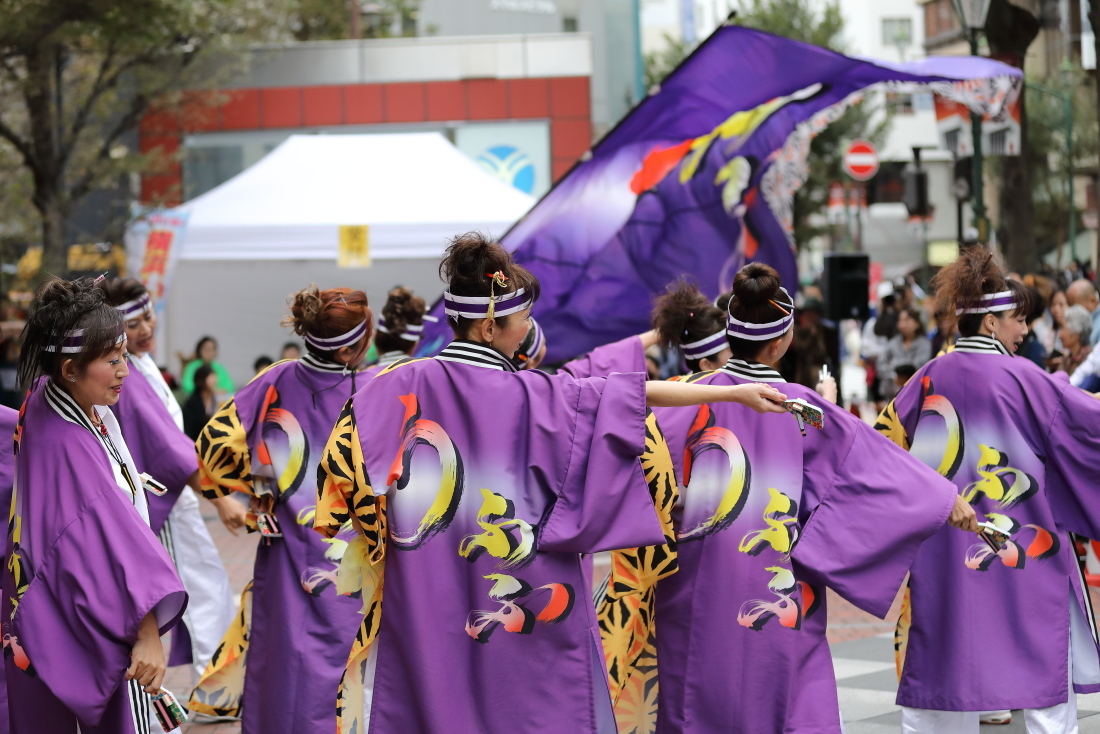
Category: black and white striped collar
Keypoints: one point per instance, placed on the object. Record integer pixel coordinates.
(66, 407)
(314, 362)
(754, 372)
(389, 358)
(980, 345)
(478, 355)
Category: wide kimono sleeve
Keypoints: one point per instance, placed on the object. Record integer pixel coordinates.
(871, 504)
(225, 463)
(602, 500)
(78, 618)
(345, 495)
(625, 355)
(1072, 462)
(157, 445)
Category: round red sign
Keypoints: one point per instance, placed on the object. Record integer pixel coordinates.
(861, 160)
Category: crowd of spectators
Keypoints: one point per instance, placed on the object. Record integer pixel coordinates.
(1063, 330)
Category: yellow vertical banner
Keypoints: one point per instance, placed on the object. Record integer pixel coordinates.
(354, 246)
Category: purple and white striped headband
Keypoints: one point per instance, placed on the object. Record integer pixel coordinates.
(538, 339)
(131, 309)
(412, 332)
(73, 341)
(706, 347)
(763, 332)
(991, 303)
(333, 343)
(477, 307)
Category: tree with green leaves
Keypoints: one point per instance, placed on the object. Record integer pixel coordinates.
(327, 20)
(820, 24)
(1047, 154)
(76, 78)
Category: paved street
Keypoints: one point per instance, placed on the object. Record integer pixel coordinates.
(863, 656)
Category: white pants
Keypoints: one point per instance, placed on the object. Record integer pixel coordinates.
(1060, 719)
(210, 601)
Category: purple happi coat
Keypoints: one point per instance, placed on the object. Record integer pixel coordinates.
(985, 630)
(268, 440)
(384, 361)
(84, 570)
(625, 355)
(765, 520)
(478, 488)
(157, 444)
(8, 420)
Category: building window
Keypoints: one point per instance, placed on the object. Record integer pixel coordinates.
(899, 104)
(940, 20)
(998, 142)
(569, 24)
(897, 31)
(952, 140)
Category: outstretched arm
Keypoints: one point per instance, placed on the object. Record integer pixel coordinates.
(759, 397)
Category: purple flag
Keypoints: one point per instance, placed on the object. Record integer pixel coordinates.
(698, 179)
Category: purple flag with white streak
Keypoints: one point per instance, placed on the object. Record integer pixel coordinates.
(699, 178)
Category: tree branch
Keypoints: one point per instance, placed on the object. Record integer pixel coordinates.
(80, 119)
(19, 144)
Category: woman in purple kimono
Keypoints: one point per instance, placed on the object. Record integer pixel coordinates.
(88, 589)
(152, 423)
(477, 487)
(399, 328)
(767, 516)
(279, 665)
(1005, 624)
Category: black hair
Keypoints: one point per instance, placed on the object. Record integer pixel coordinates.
(261, 362)
(905, 371)
(61, 306)
(202, 374)
(203, 340)
(757, 299)
(402, 308)
(118, 291)
(977, 272)
(466, 266)
(683, 315)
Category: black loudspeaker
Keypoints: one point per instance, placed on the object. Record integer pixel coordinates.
(846, 286)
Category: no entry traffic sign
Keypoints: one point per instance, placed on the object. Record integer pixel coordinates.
(861, 160)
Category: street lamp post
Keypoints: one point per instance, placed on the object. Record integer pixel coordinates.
(972, 15)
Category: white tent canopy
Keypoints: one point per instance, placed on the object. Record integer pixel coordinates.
(412, 190)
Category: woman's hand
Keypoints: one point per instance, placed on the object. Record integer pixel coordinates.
(963, 516)
(147, 664)
(827, 389)
(231, 512)
(758, 396)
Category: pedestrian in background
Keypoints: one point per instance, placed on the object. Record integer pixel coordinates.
(206, 353)
(909, 346)
(202, 402)
(1075, 335)
(291, 350)
(1083, 293)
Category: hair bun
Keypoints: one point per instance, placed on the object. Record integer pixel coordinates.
(677, 311)
(755, 285)
(403, 307)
